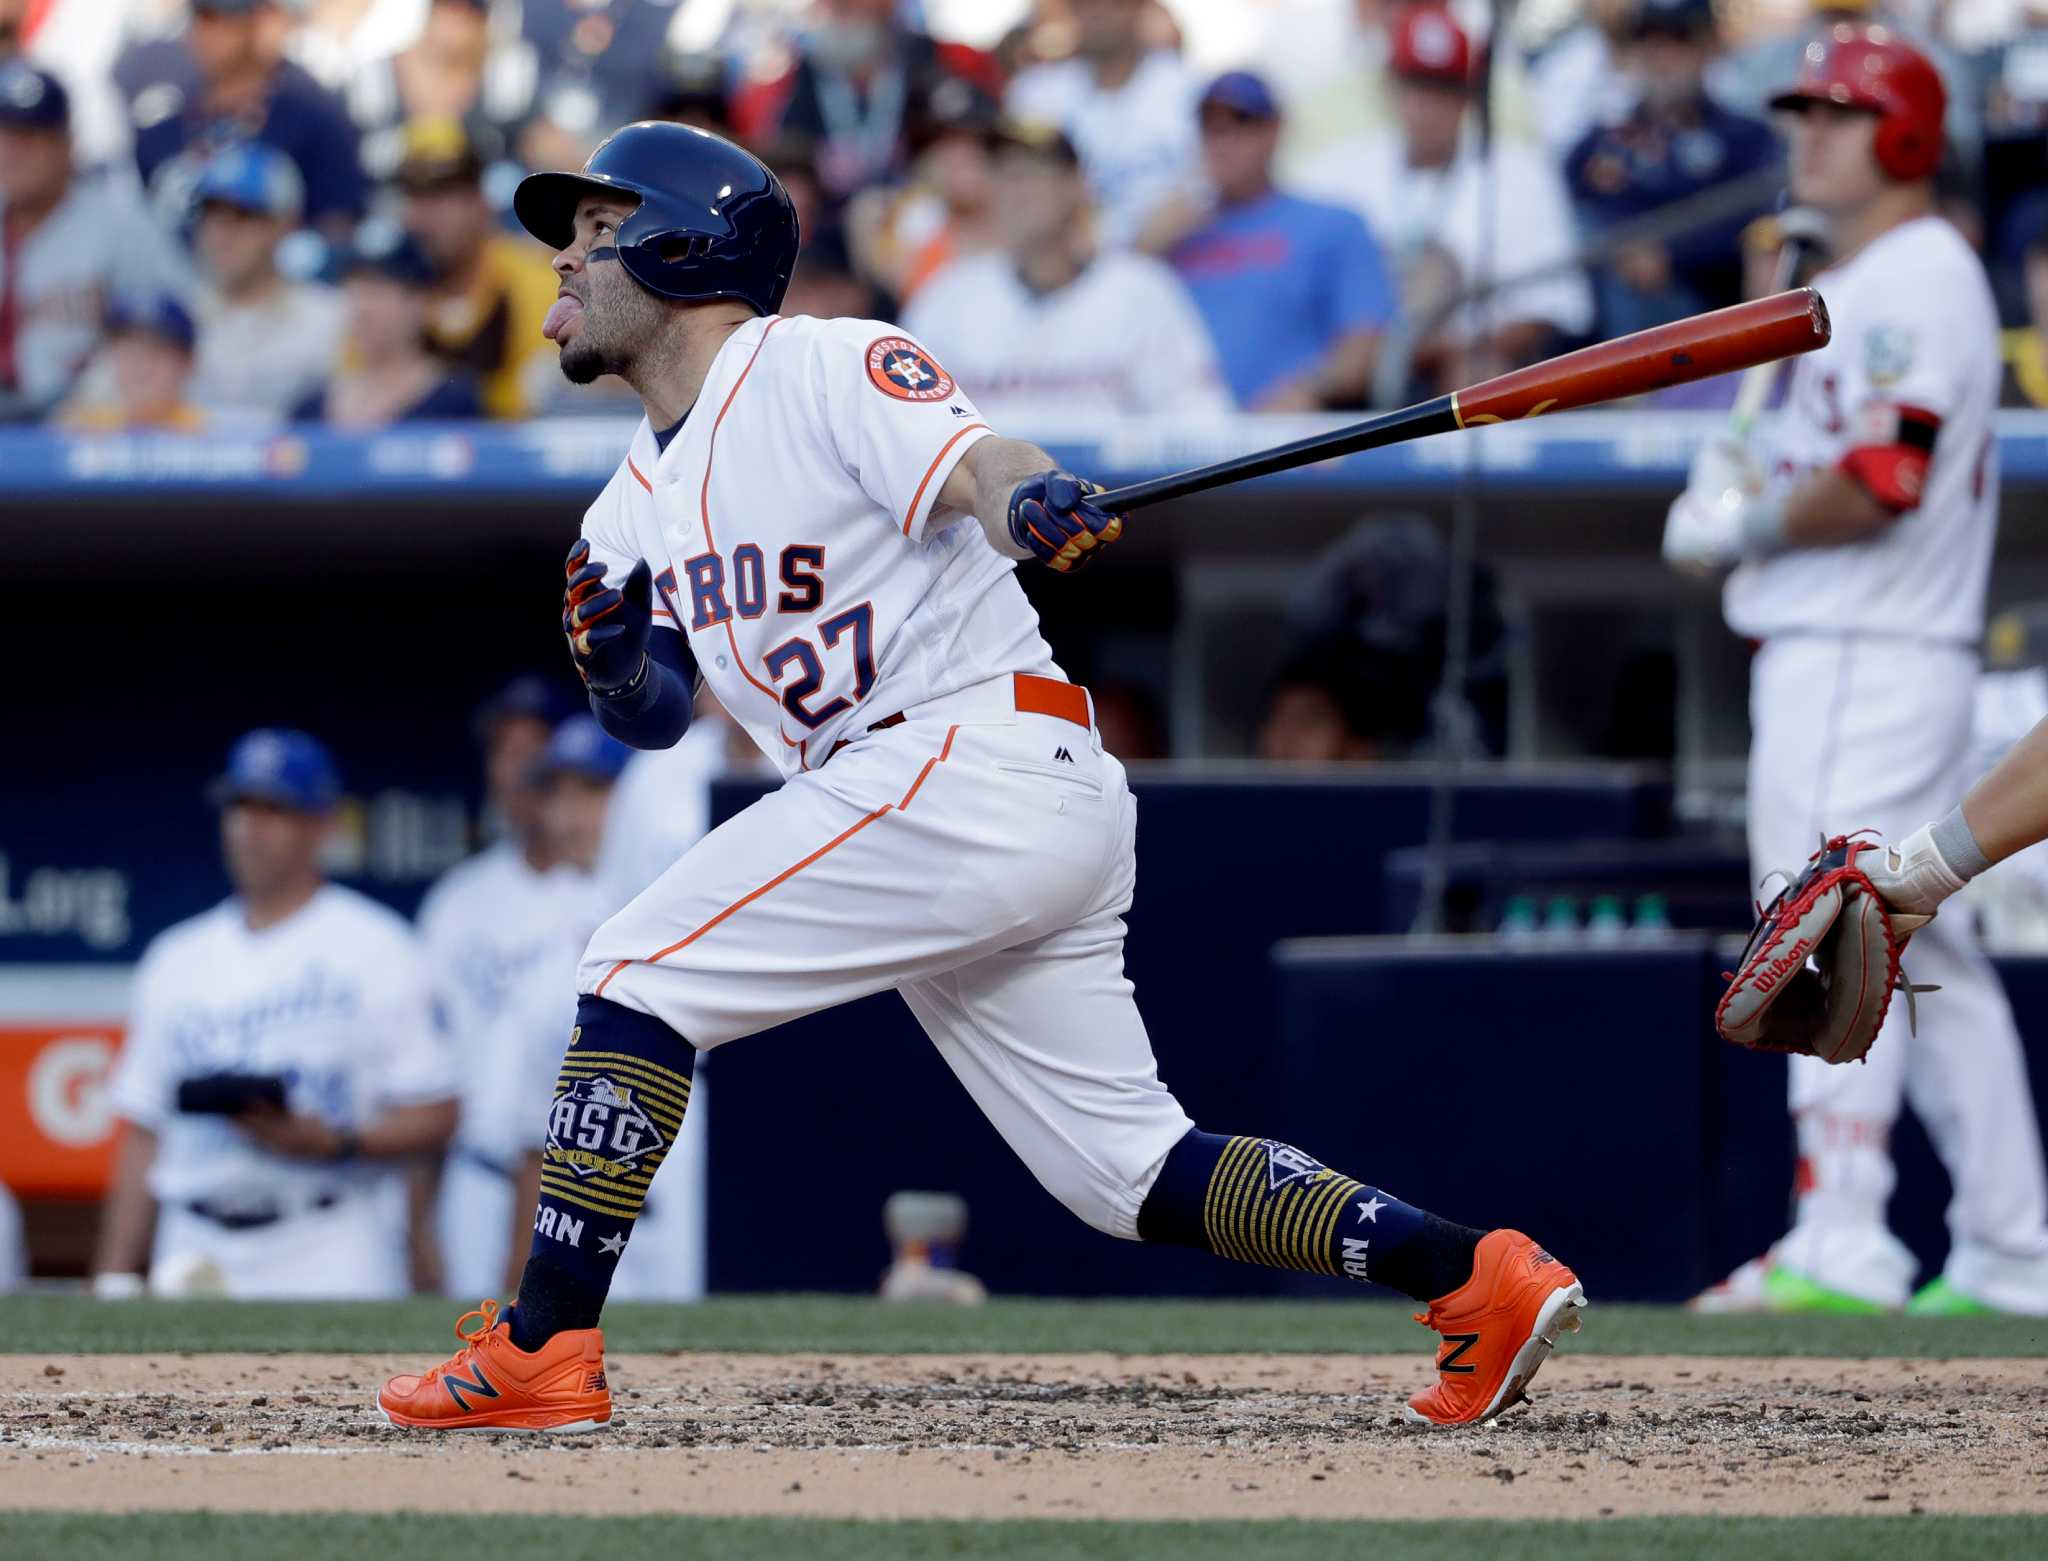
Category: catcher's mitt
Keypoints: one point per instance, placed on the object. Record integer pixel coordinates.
(1818, 974)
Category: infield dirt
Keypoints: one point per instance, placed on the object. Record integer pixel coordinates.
(1156, 1436)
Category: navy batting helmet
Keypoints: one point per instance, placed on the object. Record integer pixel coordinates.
(712, 221)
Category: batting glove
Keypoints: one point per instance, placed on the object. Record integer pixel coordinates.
(1724, 512)
(607, 627)
(1053, 518)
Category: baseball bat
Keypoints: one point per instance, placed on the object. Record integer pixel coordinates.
(1697, 347)
(1800, 233)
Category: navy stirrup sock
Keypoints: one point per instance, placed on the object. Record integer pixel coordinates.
(1262, 1201)
(618, 1106)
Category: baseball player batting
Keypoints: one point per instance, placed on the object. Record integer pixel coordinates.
(1861, 524)
(814, 519)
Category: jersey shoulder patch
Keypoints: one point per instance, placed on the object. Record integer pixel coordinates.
(901, 369)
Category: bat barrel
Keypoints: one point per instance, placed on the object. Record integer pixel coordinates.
(1701, 346)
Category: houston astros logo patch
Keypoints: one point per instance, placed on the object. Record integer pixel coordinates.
(901, 368)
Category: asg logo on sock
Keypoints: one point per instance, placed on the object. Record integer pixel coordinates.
(596, 1129)
(1285, 1163)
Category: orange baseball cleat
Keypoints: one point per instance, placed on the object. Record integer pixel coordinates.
(491, 1384)
(1498, 1327)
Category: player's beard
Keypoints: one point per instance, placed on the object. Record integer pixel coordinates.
(612, 331)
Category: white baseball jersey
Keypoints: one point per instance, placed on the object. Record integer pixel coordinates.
(1915, 332)
(789, 525)
(335, 998)
(1122, 337)
(1137, 142)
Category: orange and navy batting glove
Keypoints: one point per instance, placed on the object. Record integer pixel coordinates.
(607, 627)
(1054, 518)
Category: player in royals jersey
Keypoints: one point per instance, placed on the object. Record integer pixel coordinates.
(814, 519)
(1862, 526)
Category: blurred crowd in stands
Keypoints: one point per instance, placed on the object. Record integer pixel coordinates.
(216, 212)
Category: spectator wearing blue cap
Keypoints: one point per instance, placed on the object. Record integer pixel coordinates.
(1675, 143)
(229, 81)
(282, 1070)
(67, 244)
(148, 372)
(386, 373)
(1295, 292)
(265, 343)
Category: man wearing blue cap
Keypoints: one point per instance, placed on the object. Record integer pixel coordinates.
(282, 1065)
(265, 343)
(1294, 292)
(66, 245)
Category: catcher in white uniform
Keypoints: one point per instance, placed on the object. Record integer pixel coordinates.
(815, 519)
(1862, 529)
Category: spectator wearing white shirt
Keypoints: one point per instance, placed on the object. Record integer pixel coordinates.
(265, 343)
(1049, 329)
(1455, 220)
(1129, 112)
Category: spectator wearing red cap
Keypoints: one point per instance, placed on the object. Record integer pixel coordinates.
(1457, 220)
(1128, 109)
(1294, 292)
(67, 244)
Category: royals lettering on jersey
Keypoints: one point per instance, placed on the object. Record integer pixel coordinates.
(1901, 401)
(790, 528)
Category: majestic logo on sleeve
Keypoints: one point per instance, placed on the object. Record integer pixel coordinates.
(901, 368)
(596, 1129)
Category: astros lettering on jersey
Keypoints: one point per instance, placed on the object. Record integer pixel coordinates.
(765, 554)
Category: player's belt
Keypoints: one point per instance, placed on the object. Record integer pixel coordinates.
(1033, 695)
(247, 1216)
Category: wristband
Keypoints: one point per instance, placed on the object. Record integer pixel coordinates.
(1956, 844)
(1763, 525)
(626, 693)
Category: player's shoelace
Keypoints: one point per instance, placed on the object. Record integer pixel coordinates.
(473, 1339)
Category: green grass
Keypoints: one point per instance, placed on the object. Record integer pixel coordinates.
(206, 1536)
(35, 1324)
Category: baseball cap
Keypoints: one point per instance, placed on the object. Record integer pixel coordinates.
(580, 746)
(383, 248)
(32, 99)
(159, 314)
(1672, 18)
(526, 698)
(276, 764)
(1242, 92)
(1037, 137)
(1429, 45)
(250, 176)
(436, 152)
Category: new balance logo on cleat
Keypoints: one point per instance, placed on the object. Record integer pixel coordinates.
(1449, 1362)
(1062, 756)
(595, 1383)
(479, 1384)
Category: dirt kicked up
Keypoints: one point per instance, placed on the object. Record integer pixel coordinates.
(993, 1436)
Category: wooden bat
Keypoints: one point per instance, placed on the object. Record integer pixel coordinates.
(1800, 233)
(1698, 347)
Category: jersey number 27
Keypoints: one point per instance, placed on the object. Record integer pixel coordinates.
(799, 653)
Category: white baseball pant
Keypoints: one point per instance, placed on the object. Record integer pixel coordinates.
(979, 859)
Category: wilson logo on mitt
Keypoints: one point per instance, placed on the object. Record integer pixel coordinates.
(1820, 968)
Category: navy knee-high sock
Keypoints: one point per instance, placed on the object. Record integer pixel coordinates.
(618, 1106)
(1262, 1201)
